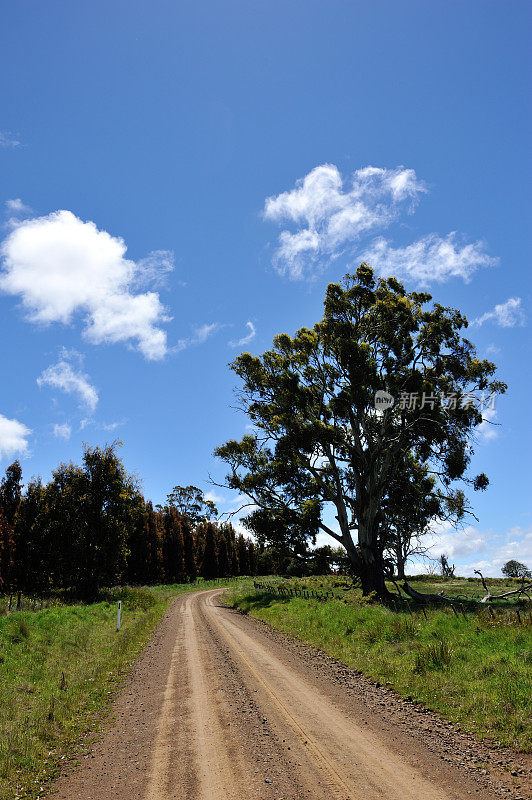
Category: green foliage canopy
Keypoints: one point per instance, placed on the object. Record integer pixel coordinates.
(320, 439)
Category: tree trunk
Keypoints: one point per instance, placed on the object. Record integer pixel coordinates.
(368, 567)
(372, 577)
(400, 562)
(371, 567)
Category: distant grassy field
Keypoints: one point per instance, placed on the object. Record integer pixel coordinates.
(58, 670)
(473, 668)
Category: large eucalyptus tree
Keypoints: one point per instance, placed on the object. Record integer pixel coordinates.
(322, 437)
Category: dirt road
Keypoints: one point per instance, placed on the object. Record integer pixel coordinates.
(219, 707)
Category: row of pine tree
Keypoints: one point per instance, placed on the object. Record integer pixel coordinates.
(90, 527)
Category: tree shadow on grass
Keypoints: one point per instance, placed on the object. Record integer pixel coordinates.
(258, 600)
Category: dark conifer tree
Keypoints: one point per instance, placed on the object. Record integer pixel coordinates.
(209, 565)
(174, 566)
(232, 550)
(199, 540)
(90, 527)
(139, 558)
(35, 552)
(189, 550)
(11, 492)
(7, 554)
(65, 527)
(223, 556)
(153, 535)
(107, 503)
(243, 560)
(252, 557)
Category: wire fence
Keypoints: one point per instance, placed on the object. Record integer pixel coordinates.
(288, 591)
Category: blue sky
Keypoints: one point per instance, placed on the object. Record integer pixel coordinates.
(178, 177)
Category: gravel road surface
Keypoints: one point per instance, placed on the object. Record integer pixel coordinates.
(220, 707)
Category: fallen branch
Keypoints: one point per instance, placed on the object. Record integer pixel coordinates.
(397, 587)
(425, 599)
(489, 596)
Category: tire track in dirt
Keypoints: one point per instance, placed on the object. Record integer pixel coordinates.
(163, 747)
(213, 768)
(333, 780)
(379, 773)
(202, 749)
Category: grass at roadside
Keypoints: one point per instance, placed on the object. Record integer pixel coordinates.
(461, 589)
(58, 670)
(474, 669)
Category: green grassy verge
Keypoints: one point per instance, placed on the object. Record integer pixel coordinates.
(59, 668)
(474, 669)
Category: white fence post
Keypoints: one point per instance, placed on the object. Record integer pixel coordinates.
(118, 614)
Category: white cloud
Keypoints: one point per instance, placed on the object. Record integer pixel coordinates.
(240, 529)
(431, 258)
(63, 376)
(330, 216)
(492, 350)
(61, 266)
(217, 499)
(203, 333)
(7, 140)
(240, 506)
(153, 270)
(471, 549)
(62, 431)
(112, 426)
(245, 339)
(16, 206)
(506, 315)
(488, 430)
(516, 544)
(200, 336)
(13, 437)
(326, 215)
(444, 539)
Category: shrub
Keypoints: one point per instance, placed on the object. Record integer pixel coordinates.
(130, 596)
